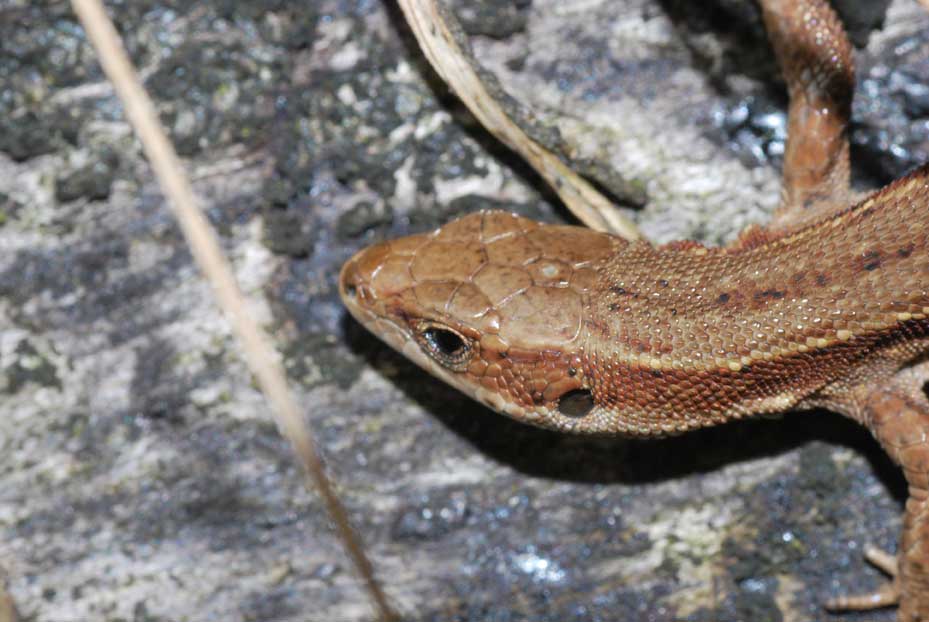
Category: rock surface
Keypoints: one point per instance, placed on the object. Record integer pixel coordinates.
(142, 477)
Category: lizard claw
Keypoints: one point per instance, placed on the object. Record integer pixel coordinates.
(885, 596)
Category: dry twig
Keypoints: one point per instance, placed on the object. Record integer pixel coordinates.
(438, 34)
(259, 353)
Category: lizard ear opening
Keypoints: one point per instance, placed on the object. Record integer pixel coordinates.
(577, 403)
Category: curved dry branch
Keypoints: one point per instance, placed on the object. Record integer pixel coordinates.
(444, 46)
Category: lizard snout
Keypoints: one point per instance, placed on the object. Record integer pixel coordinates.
(352, 284)
(355, 279)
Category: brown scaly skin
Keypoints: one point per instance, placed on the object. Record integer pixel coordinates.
(583, 332)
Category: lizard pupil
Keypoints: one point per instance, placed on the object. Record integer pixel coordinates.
(444, 345)
(444, 341)
(576, 403)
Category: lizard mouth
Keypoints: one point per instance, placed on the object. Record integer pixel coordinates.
(370, 312)
(356, 294)
(402, 340)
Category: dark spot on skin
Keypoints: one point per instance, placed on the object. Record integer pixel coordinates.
(622, 291)
(673, 311)
(821, 280)
(872, 260)
(723, 298)
(773, 294)
(746, 369)
(538, 399)
(576, 403)
(572, 372)
(502, 354)
(663, 282)
(613, 306)
(799, 277)
(905, 252)
(814, 198)
(656, 373)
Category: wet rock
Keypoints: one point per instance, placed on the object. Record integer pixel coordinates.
(91, 181)
(51, 49)
(754, 128)
(29, 365)
(138, 441)
(492, 18)
(287, 233)
(861, 18)
(891, 135)
(365, 216)
(431, 517)
(756, 601)
(9, 208)
(24, 137)
(317, 359)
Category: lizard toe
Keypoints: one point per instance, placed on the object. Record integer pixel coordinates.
(882, 560)
(887, 595)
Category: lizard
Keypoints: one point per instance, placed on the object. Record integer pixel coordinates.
(581, 331)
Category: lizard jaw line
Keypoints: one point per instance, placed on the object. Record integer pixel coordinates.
(401, 341)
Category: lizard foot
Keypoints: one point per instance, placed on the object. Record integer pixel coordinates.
(886, 596)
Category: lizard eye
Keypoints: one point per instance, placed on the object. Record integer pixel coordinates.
(447, 347)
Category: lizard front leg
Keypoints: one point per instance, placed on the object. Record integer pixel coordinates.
(897, 413)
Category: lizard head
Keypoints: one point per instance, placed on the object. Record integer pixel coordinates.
(492, 304)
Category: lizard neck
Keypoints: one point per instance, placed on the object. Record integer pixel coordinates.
(683, 336)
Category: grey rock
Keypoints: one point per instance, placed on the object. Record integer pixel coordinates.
(142, 477)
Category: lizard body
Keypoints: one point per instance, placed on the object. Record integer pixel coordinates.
(666, 339)
(582, 331)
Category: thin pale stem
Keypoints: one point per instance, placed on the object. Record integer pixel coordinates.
(259, 353)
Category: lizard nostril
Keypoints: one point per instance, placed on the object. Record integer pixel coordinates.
(351, 282)
(576, 403)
